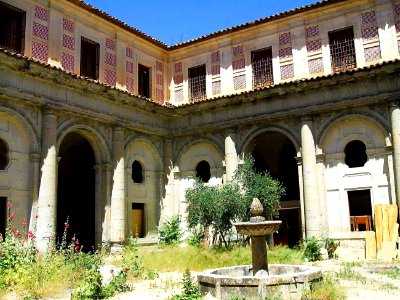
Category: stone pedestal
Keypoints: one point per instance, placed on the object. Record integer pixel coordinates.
(259, 254)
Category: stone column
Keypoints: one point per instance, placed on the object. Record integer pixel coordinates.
(310, 180)
(231, 157)
(106, 192)
(35, 174)
(395, 119)
(167, 181)
(322, 194)
(47, 202)
(118, 188)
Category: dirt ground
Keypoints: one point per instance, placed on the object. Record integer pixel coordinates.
(361, 280)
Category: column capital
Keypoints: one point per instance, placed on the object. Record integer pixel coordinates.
(306, 118)
(47, 111)
(320, 158)
(394, 103)
(118, 128)
(35, 157)
(231, 130)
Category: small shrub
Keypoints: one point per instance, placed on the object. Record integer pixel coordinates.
(331, 245)
(170, 231)
(312, 250)
(132, 259)
(190, 290)
(195, 237)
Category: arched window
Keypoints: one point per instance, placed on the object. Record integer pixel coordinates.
(4, 155)
(137, 172)
(203, 171)
(355, 154)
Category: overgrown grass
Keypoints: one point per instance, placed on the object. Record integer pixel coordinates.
(326, 289)
(175, 258)
(348, 273)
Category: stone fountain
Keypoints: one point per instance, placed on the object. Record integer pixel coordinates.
(258, 280)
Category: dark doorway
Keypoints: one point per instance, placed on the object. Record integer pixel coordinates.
(360, 205)
(76, 190)
(144, 81)
(89, 58)
(12, 27)
(137, 172)
(275, 153)
(3, 216)
(138, 220)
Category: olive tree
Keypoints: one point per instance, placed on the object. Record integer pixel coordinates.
(219, 206)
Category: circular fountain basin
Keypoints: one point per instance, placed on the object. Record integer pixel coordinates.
(257, 228)
(288, 281)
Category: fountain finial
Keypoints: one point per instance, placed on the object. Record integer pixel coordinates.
(256, 210)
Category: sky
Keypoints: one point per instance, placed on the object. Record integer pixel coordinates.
(174, 21)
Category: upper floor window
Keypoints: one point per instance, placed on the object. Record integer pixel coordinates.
(343, 54)
(144, 81)
(89, 58)
(261, 61)
(4, 155)
(137, 172)
(12, 27)
(355, 154)
(203, 171)
(197, 84)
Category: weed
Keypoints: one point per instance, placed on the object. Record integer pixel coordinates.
(190, 290)
(348, 273)
(331, 245)
(388, 286)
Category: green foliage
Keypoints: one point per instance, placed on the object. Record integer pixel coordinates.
(212, 205)
(132, 259)
(190, 290)
(195, 236)
(258, 185)
(331, 245)
(170, 231)
(312, 249)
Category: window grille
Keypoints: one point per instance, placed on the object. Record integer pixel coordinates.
(343, 55)
(262, 72)
(197, 84)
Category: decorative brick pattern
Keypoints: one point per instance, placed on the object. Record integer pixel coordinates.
(178, 79)
(239, 82)
(396, 10)
(179, 95)
(68, 42)
(372, 53)
(129, 52)
(178, 67)
(397, 26)
(314, 46)
(315, 65)
(110, 77)
(41, 31)
(215, 57)
(41, 13)
(110, 44)
(110, 59)
(216, 87)
(68, 25)
(40, 51)
(285, 52)
(238, 64)
(67, 62)
(312, 31)
(238, 50)
(215, 70)
(129, 84)
(285, 38)
(368, 17)
(369, 33)
(159, 66)
(159, 79)
(287, 72)
(129, 67)
(159, 96)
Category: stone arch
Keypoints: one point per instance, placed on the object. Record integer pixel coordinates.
(197, 151)
(136, 150)
(94, 137)
(26, 125)
(339, 131)
(290, 133)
